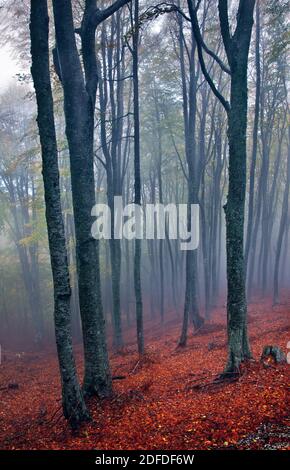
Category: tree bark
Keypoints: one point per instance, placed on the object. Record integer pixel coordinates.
(237, 50)
(137, 178)
(79, 106)
(238, 345)
(282, 228)
(255, 138)
(74, 407)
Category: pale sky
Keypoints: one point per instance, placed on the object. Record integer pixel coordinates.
(8, 68)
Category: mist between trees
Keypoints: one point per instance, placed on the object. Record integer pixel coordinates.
(176, 103)
(152, 222)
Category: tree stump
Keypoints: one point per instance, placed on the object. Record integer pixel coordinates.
(275, 352)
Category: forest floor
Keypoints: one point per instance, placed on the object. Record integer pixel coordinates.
(166, 401)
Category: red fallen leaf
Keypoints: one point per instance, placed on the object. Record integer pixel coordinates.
(146, 411)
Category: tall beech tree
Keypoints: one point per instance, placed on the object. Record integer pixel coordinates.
(283, 226)
(237, 50)
(79, 107)
(255, 137)
(189, 94)
(111, 90)
(137, 178)
(74, 407)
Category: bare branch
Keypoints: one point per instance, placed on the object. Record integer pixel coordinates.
(225, 28)
(197, 35)
(102, 15)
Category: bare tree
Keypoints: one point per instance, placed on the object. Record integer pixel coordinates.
(74, 407)
(237, 49)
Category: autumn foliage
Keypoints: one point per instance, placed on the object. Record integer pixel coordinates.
(168, 400)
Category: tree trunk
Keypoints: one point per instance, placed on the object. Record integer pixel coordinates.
(74, 408)
(137, 200)
(255, 138)
(189, 118)
(237, 51)
(282, 228)
(79, 106)
(234, 211)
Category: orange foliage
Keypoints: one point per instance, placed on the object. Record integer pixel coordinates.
(158, 405)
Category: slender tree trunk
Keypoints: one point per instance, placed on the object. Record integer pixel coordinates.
(112, 158)
(282, 228)
(234, 210)
(255, 138)
(79, 106)
(115, 253)
(187, 300)
(189, 117)
(74, 408)
(137, 176)
(237, 51)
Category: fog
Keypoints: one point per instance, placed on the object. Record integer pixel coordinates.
(26, 303)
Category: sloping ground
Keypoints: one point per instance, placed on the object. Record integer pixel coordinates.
(166, 401)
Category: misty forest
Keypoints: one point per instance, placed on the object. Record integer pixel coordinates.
(119, 343)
